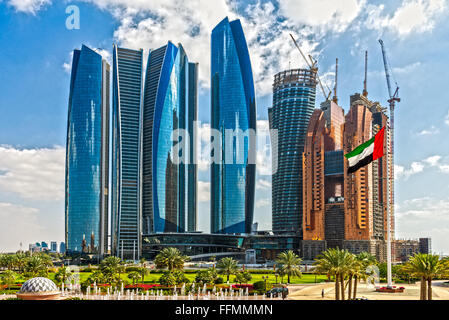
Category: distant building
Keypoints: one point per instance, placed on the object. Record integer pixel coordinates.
(233, 109)
(293, 104)
(53, 246)
(62, 248)
(87, 151)
(425, 245)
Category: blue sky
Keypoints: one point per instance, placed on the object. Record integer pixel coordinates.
(35, 59)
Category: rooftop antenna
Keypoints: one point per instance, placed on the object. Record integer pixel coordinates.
(365, 93)
(335, 99)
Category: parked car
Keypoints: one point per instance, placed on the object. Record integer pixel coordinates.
(278, 292)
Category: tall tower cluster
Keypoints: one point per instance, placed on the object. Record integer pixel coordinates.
(153, 168)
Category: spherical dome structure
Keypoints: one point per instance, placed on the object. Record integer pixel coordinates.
(38, 285)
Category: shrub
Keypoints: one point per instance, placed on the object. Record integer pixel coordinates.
(180, 277)
(132, 269)
(167, 279)
(219, 280)
(260, 286)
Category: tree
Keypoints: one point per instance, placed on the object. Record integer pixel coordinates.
(134, 276)
(170, 258)
(290, 264)
(8, 278)
(180, 277)
(243, 277)
(38, 265)
(111, 268)
(143, 271)
(336, 262)
(167, 279)
(427, 267)
(206, 276)
(227, 266)
(363, 261)
(62, 275)
(21, 261)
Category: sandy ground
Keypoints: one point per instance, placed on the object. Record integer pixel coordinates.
(411, 292)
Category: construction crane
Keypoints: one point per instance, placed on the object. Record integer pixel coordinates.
(312, 65)
(393, 98)
(335, 99)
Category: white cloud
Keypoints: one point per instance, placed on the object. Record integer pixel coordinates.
(424, 217)
(28, 6)
(433, 160)
(427, 132)
(446, 119)
(263, 184)
(335, 15)
(413, 16)
(67, 67)
(263, 202)
(36, 174)
(419, 166)
(19, 224)
(203, 191)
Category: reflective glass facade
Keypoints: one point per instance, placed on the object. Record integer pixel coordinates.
(169, 191)
(125, 193)
(233, 107)
(293, 105)
(87, 153)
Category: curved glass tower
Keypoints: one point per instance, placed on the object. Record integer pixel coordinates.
(87, 154)
(169, 191)
(233, 108)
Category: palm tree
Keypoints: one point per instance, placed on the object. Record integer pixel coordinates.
(143, 271)
(338, 263)
(363, 261)
(427, 267)
(111, 267)
(227, 266)
(21, 261)
(290, 263)
(38, 264)
(170, 258)
(134, 276)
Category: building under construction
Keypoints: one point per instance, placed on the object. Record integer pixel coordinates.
(340, 209)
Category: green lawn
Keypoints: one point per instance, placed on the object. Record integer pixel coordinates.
(153, 277)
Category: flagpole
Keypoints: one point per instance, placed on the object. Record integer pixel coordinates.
(390, 181)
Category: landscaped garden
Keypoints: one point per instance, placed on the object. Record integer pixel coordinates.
(167, 274)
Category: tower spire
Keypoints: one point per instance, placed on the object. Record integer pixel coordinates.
(365, 93)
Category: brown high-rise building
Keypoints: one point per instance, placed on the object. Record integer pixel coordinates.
(323, 206)
(340, 209)
(358, 185)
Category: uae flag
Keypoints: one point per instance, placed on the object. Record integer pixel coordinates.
(367, 152)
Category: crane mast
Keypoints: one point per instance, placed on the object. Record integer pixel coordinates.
(312, 66)
(393, 98)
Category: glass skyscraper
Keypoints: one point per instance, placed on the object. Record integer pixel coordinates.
(233, 108)
(87, 153)
(170, 104)
(293, 105)
(126, 117)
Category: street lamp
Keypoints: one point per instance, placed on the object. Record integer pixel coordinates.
(265, 278)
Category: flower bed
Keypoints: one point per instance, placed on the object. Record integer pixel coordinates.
(243, 286)
(143, 286)
(390, 290)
